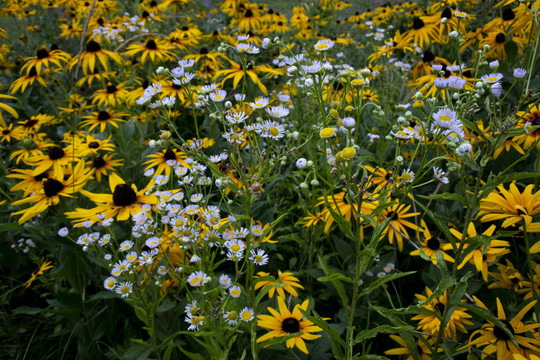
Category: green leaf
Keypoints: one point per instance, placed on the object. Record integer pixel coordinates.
(371, 333)
(371, 357)
(168, 352)
(342, 223)
(445, 196)
(191, 355)
(337, 284)
(335, 276)
(374, 285)
(27, 310)
(511, 50)
(10, 226)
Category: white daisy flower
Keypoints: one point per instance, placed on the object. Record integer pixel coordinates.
(440, 175)
(109, 283)
(324, 45)
(235, 291)
(124, 289)
(231, 317)
(247, 314)
(259, 257)
(195, 322)
(225, 281)
(218, 95)
(278, 112)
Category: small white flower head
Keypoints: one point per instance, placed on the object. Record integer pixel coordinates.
(178, 72)
(292, 69)
(235, 246)
(278, 112)
(456, 83)
(270, 129)
(453, 34)
(153, 242)
(528, 128)
(109, 283)
(195, 198)
(63, 232)
(186, 64)
(492, 78)
(259, 103)
(198, 278)
(195, 322)
(162, 270)
(247, 314)
(266, 43)
(124, 289)
(234, 117)
(308, 82)
(225, 281)
(218, 95)
(235, 291)
(231, 317)
(161, 179)
(301, 163)
(381, 274)
(445, 118)
(494, 65)
(259, 257)
(496, 89)
(324, 45)
(460, 14)
(192, 308)
(131, 256)
(407, 176)
(107, 257)
(464, 149)
(436, 67)
(440, 175)
(440, 83)
(194, 259)
(349, 122)
(239, 97)
(519, 73)
(126, 245)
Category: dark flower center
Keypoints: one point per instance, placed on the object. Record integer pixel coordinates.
(93, 145)
(215, 33)
(145, 84)
(103, 116)
(52, 187)
(30, 123)
(439, 307)
(203, 51)
(100, 21)
(169, 155)
(176, 86)
(433, 243)
(428, 56)
(419, 349)
(111, 89)
(42, 176)
(124, 195)
(500, 334)
(56, 153)
(274, 274)
(6, 131)
(446, 13)
(93, 46)
(508, 14)
(536, 121)
(54, 47)
(500, 38)
(185, 28)
(145, 14)
(467, 73)
(151, 45)
(514, 280)
(280, 23)
(32, 72)
(42, 54)
(248, 13)
(153, 3)
(290, 325)
(270, 11)
(99, 162)
(418, 24)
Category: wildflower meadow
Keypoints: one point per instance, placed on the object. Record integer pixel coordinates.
(308, 179)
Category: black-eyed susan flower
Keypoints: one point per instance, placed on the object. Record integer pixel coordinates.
(28, 182)
(511, 205)
(94, 53)
(123, 202)
(102, 118)
(285, 322)
(236, 72)
(496, 341)
(31, 148)
(45, 58)
(165, 160)
(483, 256)
(285, 281)
(8, 133)
(111, 95)
(529, 118)
(397, 228)
(56, 158)
(89, 145)
(431, 245)
(28, 79)
(508, 277)
(102, 165)
(343, 206)
(431, 323)
(152, 49)
(52, 189)
(532, 290)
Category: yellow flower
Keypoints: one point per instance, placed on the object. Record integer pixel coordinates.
(284, 323)
(45, 266)
(286, 280)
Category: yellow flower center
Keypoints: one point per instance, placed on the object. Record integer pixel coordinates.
(274, 131)
(327, 132)
(232, 315)
(246, 315)
(235, 248)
